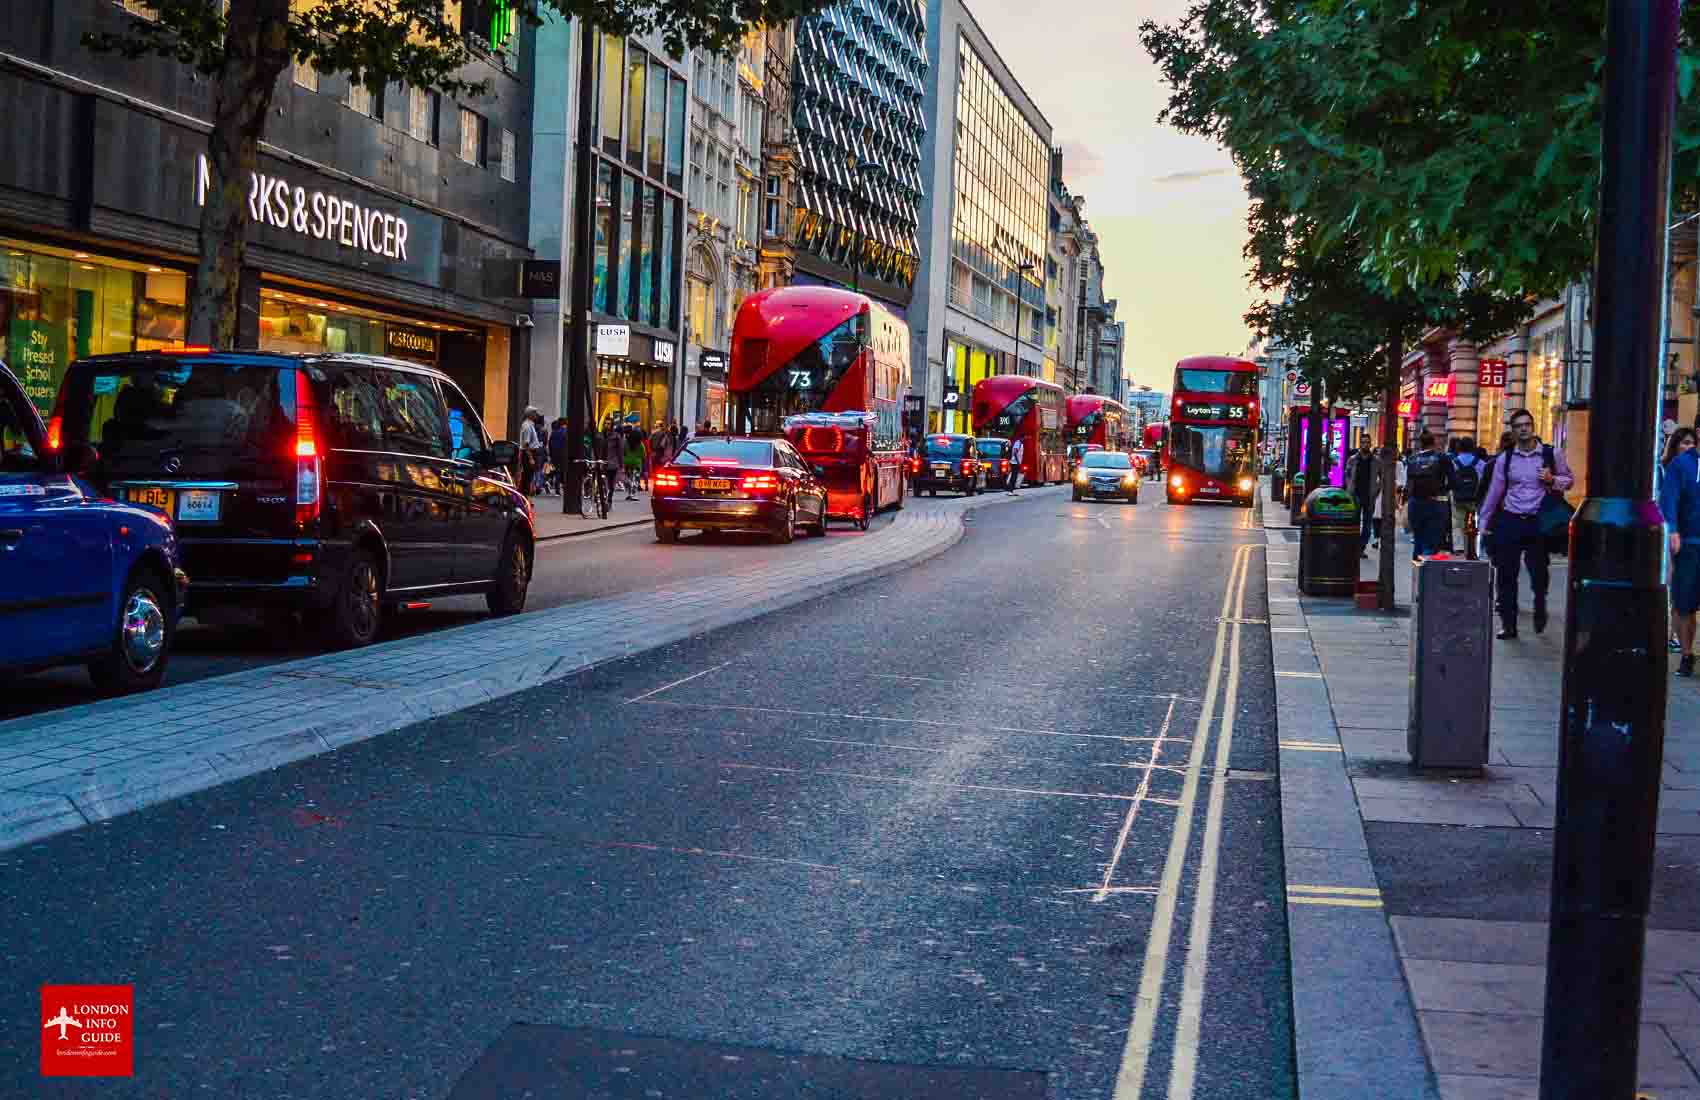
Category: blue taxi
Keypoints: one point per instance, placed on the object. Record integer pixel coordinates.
(83, 579)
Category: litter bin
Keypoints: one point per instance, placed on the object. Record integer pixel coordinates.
(1278, 486)
(1451, 663)
(1328, 544)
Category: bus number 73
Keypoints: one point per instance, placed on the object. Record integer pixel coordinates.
(801, 379)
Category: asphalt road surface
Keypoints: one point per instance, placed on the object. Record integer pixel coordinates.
(583, 567)
(1002, 825)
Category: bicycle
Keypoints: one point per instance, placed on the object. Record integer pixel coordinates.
(596, 492)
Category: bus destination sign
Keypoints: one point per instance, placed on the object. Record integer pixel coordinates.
(1212, 410)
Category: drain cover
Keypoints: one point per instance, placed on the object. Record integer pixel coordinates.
(576, 1063)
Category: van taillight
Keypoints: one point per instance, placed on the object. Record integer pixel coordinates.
(306, 453)
(54, 428)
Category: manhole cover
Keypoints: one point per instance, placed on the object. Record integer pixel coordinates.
(576, 1063)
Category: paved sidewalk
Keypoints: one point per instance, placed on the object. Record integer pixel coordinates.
(63, 769)
(552, 524)
(1450, 875)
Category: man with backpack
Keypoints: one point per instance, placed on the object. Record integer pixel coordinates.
(1467, 469)
(1510, 514)
(1428, 481)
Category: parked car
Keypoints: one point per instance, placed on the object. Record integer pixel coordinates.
(1106, 474)
(83, 580)
(994, 456)
(337, 486)
(733, 483)
(948, 462)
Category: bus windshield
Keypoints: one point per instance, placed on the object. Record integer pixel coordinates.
(1242, 383)
(802, 385)
(1007, 421)
(1088, 424)
(1215, 452)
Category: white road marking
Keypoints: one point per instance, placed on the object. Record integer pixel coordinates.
(1136, 1054)
(1028, 685)
(905, 721)
(1092, 795)
(1139, 796)
(1102, 522)
(1183, 1059)
(676, 683)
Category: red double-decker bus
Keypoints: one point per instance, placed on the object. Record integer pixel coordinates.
(1096, 419)
(1213, 421)
(804, 350)
(1011, 405)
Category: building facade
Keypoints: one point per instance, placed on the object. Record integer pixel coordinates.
(386, 207)
(1063, 315)
(848, 171)
(724, 207)
(640, 115)
(981, 302)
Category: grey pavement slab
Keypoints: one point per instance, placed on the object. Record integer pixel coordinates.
(89, 763)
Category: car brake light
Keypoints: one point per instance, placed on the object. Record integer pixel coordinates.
(187, 349)
(756, 483)
(915, 465)
(968, 466)
(54, 428)
(667, 479)
(1006, 466)
(307, 502)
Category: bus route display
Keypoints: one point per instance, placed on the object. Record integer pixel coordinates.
(1212, 410)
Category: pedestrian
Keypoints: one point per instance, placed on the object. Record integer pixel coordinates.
(1428, 481)
(613, 454)
(1467, 466)
(1510, 513)
(558, 452)
(633, 461)
(1679, 500)
(684, 434)
(658, 453)
(1017, 453)
(1363, 481)
(530, 449)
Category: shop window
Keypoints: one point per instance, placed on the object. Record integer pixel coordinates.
(472, 137)
(699, 310)
(509, 156)
(612, 76)
(306, 76)
(669, 222)
(637, 69)
(625, 257)
(364, 101)
(675, 133)
(422, 110)
(604, 235)
(650, 230)
(656, 119)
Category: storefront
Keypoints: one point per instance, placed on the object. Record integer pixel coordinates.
(965, 366)
(60, 304)
(632, 377)
(1544, 395)
(1490, 401)
(712, 367)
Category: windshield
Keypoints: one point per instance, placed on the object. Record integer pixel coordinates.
(803, 384)
(726, 452)
(992, 448)
(817, 439)
(1216, 452)
(1088, 424)
(1009, 419)
(1113, 460)
(944, 446)
(200, 417)
(1243, 383)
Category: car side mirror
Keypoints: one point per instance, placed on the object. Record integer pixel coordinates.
(80, 459)
(501, 453)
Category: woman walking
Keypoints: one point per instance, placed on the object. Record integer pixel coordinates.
(1680, 443)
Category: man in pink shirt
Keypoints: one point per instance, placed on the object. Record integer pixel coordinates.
(1522, 477)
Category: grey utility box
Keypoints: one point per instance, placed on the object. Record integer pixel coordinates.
(1451, 663)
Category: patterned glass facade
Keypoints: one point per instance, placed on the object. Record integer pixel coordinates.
(861, 67)
(999, 218)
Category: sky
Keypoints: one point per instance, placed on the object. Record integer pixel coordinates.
(1169, 210)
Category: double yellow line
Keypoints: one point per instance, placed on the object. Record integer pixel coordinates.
(1183, 1062)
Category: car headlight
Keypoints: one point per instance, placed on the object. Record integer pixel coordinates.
(1177, 481)
(1245, 484)
(1080, 476)
(1128, 479)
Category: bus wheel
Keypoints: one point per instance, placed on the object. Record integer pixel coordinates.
(867, 515)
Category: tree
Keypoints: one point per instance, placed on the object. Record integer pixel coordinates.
(245, 46)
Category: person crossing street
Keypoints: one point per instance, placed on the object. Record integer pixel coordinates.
(1016, 454)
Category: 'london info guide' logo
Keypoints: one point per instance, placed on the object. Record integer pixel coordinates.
(87, 1031)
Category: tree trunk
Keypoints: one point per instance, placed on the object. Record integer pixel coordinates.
(1389, 494)
(1315, 440)
(256, 51)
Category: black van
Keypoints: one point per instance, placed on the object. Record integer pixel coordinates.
(339, 486)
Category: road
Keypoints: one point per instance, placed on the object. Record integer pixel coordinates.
(583, 567)
(1001, 825)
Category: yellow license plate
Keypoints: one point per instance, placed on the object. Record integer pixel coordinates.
(713, 483)
(163, 499)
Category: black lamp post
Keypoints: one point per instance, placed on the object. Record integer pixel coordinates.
(1612, 721)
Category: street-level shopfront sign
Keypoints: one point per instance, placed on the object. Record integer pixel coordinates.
(712, 362)
(1492, 374)
(664, 352)
(1407, 406)
(410, 343)
(274, 201)
(1438, 389)
(540, 279)
(613, 339)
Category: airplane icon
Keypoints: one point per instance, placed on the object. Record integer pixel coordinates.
(62, 1021)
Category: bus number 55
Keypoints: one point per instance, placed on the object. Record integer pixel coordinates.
(801, 379)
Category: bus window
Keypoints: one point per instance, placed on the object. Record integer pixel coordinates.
(1241, 383)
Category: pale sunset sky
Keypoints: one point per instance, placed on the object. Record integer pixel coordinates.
(1169, 210)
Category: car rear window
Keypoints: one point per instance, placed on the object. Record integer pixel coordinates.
(1106, 459)
(944, 446)
(744, 452)
(992, 448)
(213, 417)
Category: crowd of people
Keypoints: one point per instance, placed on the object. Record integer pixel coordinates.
(628, 453)
(1511, 503)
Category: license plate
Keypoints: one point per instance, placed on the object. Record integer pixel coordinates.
(198, 505)
(713, 483)
(941, 471)
(162, 499)
(1210, 489)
